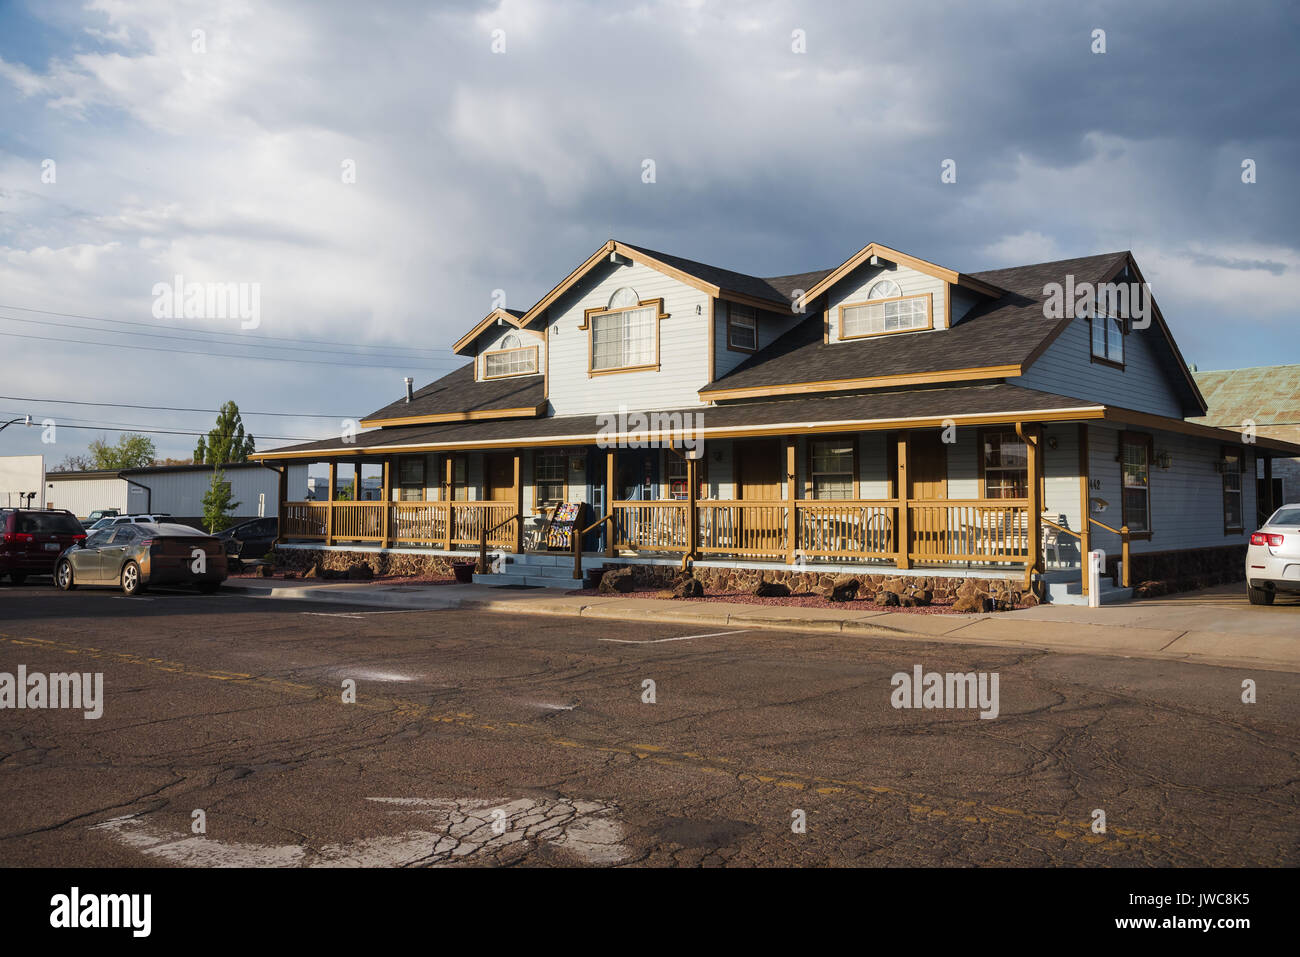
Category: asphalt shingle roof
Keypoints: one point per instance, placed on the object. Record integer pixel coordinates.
(929, 402)
(1004, 331)
(458, 392)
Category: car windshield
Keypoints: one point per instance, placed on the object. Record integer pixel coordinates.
(58, 523)
(1286, 516)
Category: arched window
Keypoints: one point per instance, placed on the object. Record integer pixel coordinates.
(623, 298)
(885, 289)
(510, 342)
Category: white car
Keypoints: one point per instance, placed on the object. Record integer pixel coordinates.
(1273, 558)
(110, 520)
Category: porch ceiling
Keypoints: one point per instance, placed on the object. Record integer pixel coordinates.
(911, 408)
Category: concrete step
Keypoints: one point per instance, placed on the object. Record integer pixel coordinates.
(1071, 593)
(536, 581)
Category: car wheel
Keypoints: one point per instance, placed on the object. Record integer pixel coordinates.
(18, 577)
(63, 576)
(1260, 596)
(131, 584)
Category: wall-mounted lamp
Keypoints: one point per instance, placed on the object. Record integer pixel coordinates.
(1051, 442)
(1164, 460)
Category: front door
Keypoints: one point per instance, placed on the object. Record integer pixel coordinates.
(499, 469)
(929, 457)
(760, 468)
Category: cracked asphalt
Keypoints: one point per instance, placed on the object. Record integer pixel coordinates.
(481, 739)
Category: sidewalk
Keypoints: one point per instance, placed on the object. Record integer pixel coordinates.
(1214, 626)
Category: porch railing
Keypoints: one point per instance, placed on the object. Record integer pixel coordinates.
(438, 524)
(970, 530)
(945, 531)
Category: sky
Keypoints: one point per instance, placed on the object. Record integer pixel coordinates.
(377, 171)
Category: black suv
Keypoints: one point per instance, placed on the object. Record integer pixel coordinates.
(250, 539)
(31, 540)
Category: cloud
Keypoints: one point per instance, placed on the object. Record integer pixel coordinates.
(477, 171)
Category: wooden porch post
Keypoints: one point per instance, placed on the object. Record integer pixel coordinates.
(791, 526)
(1034, 561)
(611, 477)
(1085, 523)
(692, 508)
(448, 494)
(519, 503)
(387, 496)
(329, 508)
(903, 559)
(280, 508)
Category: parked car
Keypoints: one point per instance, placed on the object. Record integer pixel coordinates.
(136, 555)
(250, 539)
(99, 513)
(1273, 557)
(110, 520)
(32, 539)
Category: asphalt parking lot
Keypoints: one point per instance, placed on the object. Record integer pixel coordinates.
(488, 739)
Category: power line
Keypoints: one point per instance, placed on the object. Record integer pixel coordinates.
(166, 408)
(126, 322)
(107, 428)
(188, 352)
(156, 335)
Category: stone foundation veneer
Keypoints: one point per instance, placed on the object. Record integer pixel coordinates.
(381, 562)
(734, 580)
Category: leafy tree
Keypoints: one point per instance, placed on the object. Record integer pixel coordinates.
(217, 503)
(227, 441)
(172, 461)
(132, 451)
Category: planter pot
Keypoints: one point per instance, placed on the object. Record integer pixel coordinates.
(594, 575)
(464, 572)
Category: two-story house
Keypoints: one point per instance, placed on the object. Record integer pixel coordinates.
(887, 415)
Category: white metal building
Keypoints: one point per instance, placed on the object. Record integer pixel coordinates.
(177, 490)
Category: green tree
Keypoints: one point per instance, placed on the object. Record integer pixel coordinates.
(227, 441)
(217, 503)
(132, 451)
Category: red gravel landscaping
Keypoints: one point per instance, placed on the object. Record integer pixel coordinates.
(798, 600)
(377, 580)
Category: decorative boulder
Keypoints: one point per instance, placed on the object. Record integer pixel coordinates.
(617, 581)
(359, 572)
(688, 588)
(887, 599)
(921, 596)
(842, 588)
(313, 572)
(771, 590)
(973, 604)
(267, 571)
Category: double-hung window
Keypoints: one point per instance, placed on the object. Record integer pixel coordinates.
(831, 471)
(1135, 484)
(549, 478)
(1232, 521)
(742, 327)
(624, 339)
(1006, 465)
(1108, 339)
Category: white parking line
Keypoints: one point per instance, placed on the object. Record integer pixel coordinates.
(655, 641)
(332, 614)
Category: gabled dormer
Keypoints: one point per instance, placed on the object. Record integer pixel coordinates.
(502, 348)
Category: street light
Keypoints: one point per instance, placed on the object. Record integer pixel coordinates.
(25, 420)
